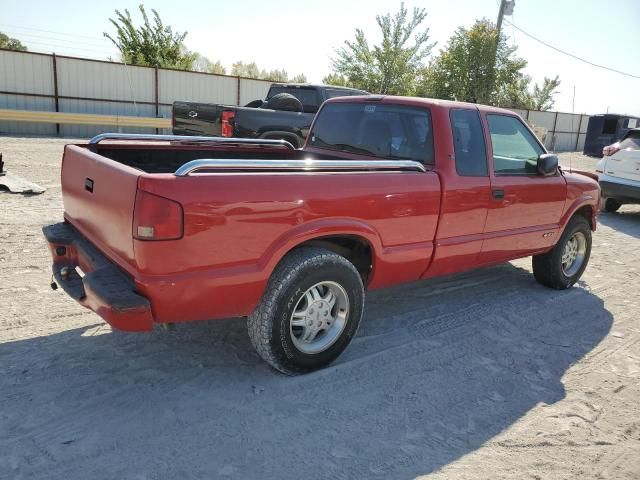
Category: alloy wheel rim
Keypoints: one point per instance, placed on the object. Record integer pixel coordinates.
(319, 317)
(573, 254)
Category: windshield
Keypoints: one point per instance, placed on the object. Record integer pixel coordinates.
(379, 130)
(631, 141)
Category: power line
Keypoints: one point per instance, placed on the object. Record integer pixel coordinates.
(49, 31)
(52, 47)
(96, 46)
(570, 54)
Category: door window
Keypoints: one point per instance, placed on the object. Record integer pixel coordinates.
(468, 142)
(515, 149)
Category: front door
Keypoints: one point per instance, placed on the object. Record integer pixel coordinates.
(525, 207)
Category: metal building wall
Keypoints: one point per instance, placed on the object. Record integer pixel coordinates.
(253, 90)
(196, 87)
(91, 79)
(98, 87)
(26, 74)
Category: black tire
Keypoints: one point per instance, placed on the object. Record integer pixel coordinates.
(255, 104)
(269, 326)
(547, 267)
(610, 205)
(284, 101)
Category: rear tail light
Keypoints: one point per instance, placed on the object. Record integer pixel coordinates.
(156, 218)
(611, 149)
(227, 123)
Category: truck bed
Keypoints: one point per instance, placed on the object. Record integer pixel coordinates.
(169, 158)
(236, 222)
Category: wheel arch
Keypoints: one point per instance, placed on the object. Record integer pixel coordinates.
(583, 207)
(358, 242)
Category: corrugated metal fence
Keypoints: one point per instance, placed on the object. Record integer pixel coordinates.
(565, 131)
(54, 83)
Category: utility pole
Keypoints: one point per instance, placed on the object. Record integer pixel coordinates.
(506, 8)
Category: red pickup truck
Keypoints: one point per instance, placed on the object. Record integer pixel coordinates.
(164, 229)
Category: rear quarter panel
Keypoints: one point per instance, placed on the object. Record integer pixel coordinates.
(238, 226)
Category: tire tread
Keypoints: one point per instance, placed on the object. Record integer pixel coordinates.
(259, 324)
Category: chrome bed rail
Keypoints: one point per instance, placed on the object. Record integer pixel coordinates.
(187, 139)
(298, 165)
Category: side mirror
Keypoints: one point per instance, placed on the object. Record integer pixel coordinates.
(547, 164)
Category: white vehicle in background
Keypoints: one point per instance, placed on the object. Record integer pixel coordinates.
(619, 172)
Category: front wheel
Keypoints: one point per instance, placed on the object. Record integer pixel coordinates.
(563, 266)
(309, 313)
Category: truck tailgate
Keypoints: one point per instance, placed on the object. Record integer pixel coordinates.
(99, 197)
(190, 118)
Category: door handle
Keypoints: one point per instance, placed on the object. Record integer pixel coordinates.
(497, 194)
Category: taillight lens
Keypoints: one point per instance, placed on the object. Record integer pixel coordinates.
(227, 123)
(611, 149)
(156, 218)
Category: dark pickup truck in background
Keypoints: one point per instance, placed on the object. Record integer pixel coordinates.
(286, 114)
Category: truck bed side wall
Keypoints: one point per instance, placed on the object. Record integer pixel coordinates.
(238, 226)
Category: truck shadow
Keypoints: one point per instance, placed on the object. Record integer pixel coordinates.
(626, 220)
(438, 369)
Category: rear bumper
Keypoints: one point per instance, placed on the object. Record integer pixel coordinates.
(623, 190)
(104, 288)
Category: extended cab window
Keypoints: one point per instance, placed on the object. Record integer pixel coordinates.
(379, 130)
(515, 149)
(308, 96)
(468, 142)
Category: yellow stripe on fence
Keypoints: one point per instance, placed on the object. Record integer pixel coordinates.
(83, 119)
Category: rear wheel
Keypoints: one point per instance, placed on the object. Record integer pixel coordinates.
(563, 266)
(309, 313)
(610, 205)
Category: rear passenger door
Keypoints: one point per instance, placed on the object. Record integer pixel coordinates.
(466, 194)
(525, 207)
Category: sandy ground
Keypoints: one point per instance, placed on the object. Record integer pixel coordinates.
(483, 375)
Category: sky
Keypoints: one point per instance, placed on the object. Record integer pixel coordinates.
(302, 37)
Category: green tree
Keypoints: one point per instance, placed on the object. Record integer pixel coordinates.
(249, 70)
(476, 66)
(392, 66)
(11, 43)
(152, 43)
(203, 64)
(542, 97)
(336, 79)
(300, 78)
(275, 75)
(514, 94)
(218, 68)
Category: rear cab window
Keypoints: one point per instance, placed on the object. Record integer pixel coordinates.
(515, 149)
(383, 131)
